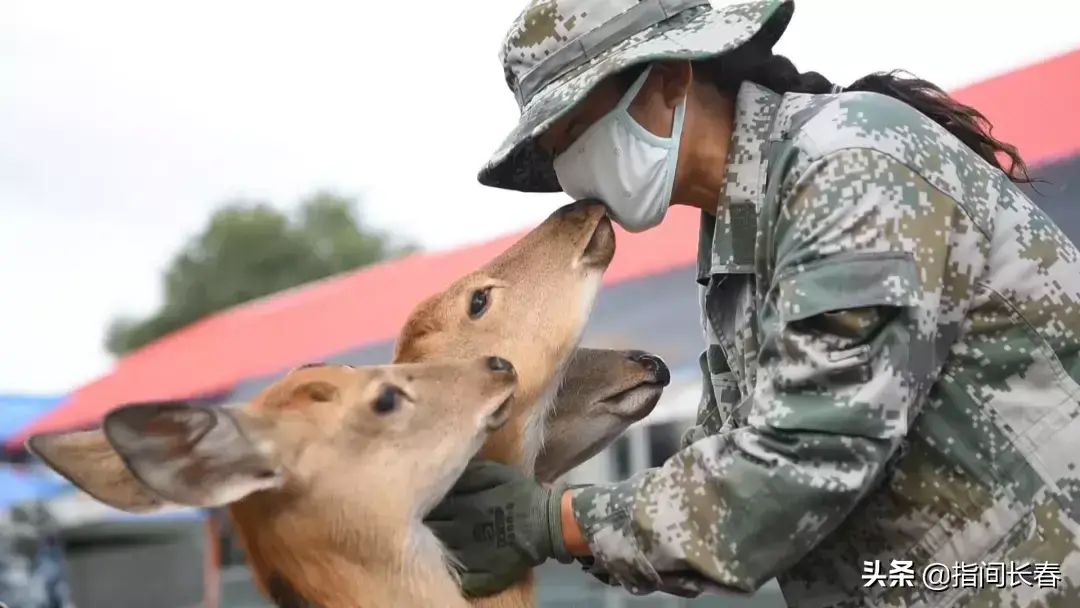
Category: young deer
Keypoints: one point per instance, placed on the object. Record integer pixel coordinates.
(327, 473)
(530, 305)
(602, 394)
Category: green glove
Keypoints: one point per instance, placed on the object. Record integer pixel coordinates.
(498, 523)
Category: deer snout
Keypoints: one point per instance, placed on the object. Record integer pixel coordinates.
(582, 211)
(585, 226)
(653, 365)
(600, 249)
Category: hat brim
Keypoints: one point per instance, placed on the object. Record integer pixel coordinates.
(519, 163)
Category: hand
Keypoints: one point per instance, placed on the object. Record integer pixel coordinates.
(498, 523)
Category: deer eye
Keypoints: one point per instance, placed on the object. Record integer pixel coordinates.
(388, 399)
(479, 301)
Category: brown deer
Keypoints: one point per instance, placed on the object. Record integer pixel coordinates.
(601, 395)
(530, 305)
(327, 473)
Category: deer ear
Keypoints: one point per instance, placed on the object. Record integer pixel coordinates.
(189, 455)
(86, 459)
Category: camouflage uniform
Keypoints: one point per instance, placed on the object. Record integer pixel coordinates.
(31, 561)
(893, 332)
(892, 373)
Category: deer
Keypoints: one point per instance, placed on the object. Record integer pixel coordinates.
(534, 300)
(529, 304)
(602, 394)
(326, 473)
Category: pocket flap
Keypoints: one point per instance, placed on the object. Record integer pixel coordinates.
(878, 279)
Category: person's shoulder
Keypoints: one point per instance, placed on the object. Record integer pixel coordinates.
(820, 126)
(830, 123)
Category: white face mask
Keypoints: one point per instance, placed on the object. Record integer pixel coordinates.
(619, 162)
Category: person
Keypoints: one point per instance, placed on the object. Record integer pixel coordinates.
(32, 573)
(891, 373)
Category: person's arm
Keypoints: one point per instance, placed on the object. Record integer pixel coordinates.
(572, 536)
(870, 260)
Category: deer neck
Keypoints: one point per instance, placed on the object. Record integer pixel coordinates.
(303, 560)
(520, 444)
(521, 440)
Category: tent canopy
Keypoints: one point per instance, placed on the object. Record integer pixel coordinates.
(356, 315)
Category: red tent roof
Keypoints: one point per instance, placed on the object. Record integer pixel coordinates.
(1033, 107)
(1029, 108)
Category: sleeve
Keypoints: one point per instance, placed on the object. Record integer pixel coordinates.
(870, 261)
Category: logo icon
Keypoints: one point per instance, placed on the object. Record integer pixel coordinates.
(481, 532)
(499, 529)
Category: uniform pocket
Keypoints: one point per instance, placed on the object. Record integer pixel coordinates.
(847, 283)
(717, 411)
(719, 396)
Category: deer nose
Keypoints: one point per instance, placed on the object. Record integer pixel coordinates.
(652, 364)
(498, 364)
(581, 209)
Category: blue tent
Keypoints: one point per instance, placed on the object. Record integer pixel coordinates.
(17, 411)
(21, 484)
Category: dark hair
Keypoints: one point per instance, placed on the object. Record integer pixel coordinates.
(755, 61)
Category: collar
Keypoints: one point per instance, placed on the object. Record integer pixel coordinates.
(727, 240)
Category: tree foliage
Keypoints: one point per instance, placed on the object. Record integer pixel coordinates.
(249, 250)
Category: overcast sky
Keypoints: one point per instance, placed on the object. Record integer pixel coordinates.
(123, 123)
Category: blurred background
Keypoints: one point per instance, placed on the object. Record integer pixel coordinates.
(197, 196)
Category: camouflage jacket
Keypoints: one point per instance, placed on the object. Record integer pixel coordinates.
(891, 376)
(31, 561)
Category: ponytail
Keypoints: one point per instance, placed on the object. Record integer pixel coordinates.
(756, 62)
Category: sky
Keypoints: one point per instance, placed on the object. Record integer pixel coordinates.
(123, 123)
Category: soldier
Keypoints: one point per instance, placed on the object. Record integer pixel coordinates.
(31, 560)
(893, 355)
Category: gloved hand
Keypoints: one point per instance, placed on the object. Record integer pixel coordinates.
(498, 523)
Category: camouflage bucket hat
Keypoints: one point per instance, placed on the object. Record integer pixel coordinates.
(558, 50)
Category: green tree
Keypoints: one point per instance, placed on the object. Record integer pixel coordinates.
(250, 249)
